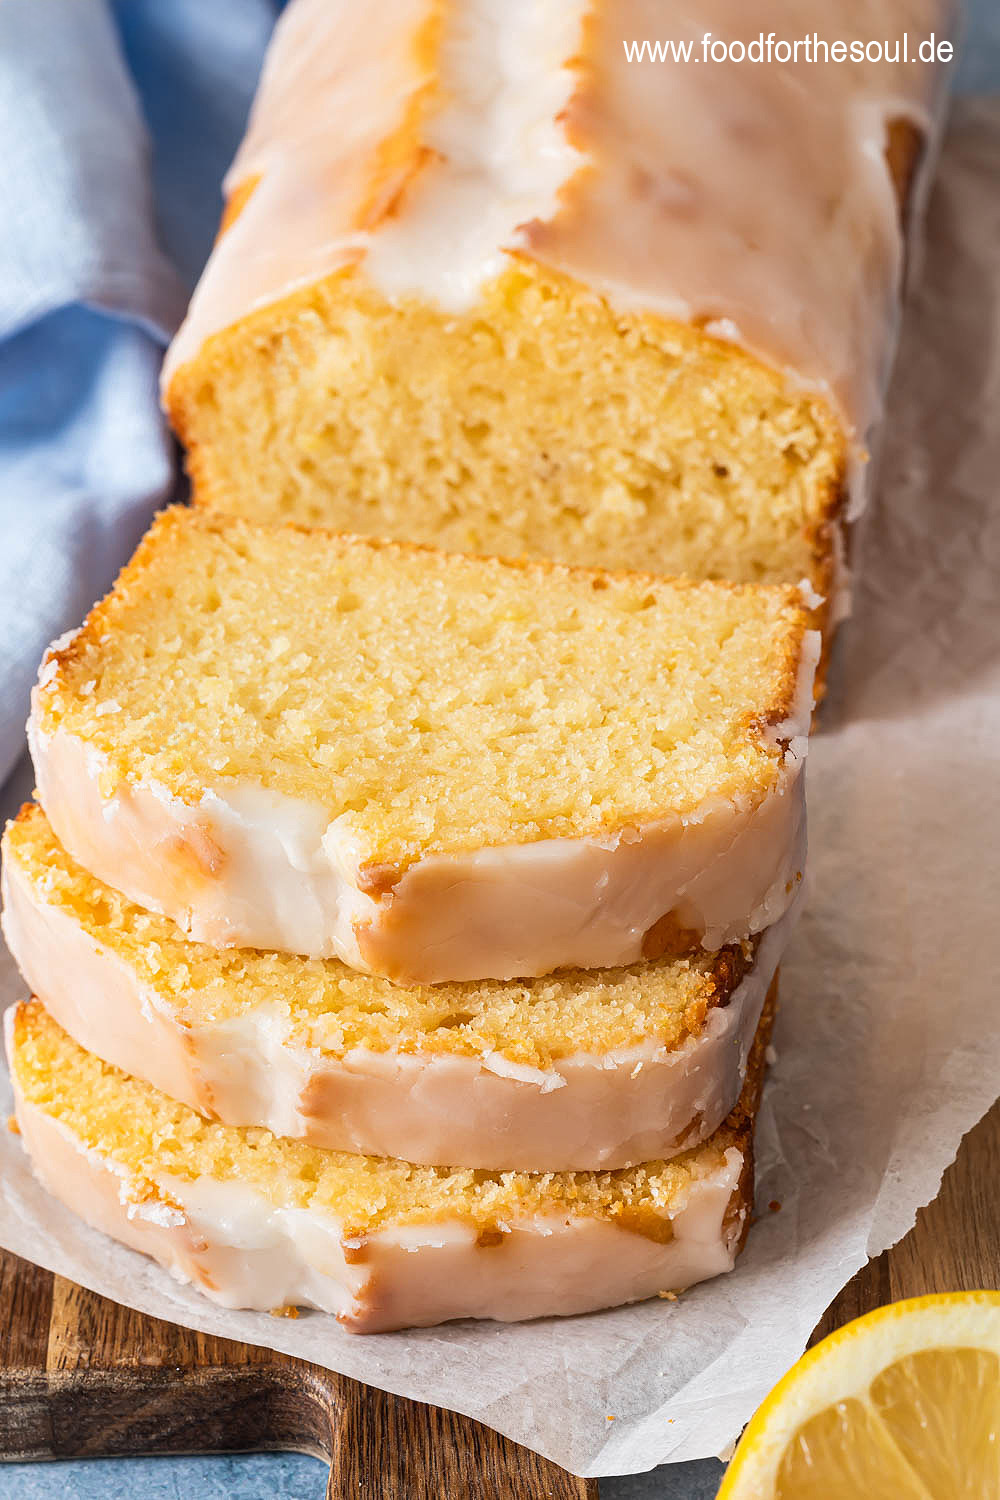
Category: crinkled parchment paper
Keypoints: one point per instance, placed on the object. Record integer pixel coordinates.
(887, 1046)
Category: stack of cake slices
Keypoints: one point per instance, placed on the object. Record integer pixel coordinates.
(403, 925)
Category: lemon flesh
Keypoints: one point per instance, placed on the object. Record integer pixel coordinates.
(903, 1404)
(928, 1429)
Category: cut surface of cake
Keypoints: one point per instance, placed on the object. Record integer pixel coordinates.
(498, 278)
(583, 1069)
(433, 767)
(256, 1221)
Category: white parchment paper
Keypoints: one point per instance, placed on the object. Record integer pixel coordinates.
(887, 1044)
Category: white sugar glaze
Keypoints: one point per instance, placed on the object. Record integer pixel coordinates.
(241, 1251)
(248, 867)
(753, 198)
(585, 1111)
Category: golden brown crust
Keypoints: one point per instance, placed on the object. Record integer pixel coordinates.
(744, 1112)
(26, 814)
(61, 659)
(905, 146)
(740, 1122)
(668, 935)
(489, 1239)
(236, 203)
(730, 966)
(402, 156)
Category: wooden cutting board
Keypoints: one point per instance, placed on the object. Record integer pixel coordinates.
(81, 1376)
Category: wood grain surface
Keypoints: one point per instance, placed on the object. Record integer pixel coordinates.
(81, 1376)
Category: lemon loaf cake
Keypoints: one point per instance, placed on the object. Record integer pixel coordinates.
(519, 278)
(584, 1069)
(256, 1221)
(433, 767)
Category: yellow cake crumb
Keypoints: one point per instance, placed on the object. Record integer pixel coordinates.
(323, 1004)
(542, 421)
(427, 702)
(152, 1140)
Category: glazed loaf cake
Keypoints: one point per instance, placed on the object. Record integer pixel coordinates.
(433, 767)
(582, 1070)
(486, 283)
(256, 1221)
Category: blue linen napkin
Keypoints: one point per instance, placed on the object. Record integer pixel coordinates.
(117, 122)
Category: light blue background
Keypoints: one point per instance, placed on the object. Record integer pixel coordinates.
(292, 1476)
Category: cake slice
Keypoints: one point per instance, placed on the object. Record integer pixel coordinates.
(583, 1069)
(543, 291)
(433, 767)
(256, 1221)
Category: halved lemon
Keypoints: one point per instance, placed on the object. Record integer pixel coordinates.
(903, 1404)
